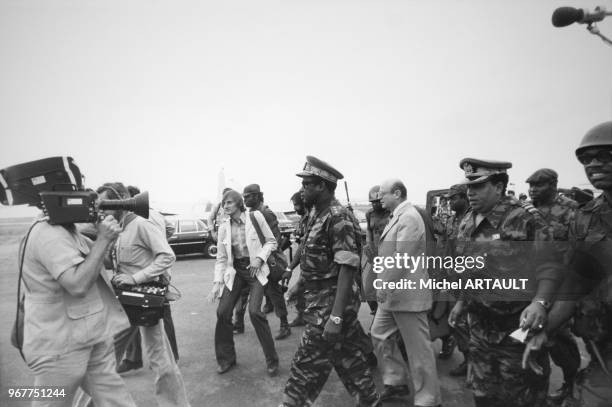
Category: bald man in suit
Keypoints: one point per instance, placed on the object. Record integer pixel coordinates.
(404, 310)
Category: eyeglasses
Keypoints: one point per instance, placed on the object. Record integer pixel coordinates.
(603, 156)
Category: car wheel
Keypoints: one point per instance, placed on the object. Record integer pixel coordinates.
(210, 250)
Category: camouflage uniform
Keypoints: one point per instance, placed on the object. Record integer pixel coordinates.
(376, 224)
(329, 243)
(300, 232)
(448, 239)
(564, 351)
(511, 237)
(591, 233)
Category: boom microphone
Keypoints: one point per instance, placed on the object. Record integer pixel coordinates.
(564, 16)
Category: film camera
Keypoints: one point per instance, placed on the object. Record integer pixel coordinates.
(55, 185)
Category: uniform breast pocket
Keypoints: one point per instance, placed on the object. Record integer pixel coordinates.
(316, 256)
(128, 254)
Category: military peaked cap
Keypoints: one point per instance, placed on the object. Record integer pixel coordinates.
(478, 171)
(318, 168)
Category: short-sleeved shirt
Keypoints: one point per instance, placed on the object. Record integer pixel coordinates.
(56, 322)
(559, 214)
(329, 242)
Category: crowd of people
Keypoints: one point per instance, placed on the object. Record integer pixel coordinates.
(76, 332)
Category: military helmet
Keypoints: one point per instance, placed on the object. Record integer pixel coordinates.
(598, 136)
(374, 194)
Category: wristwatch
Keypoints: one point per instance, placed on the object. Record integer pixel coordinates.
(544, 303)
(335, 320)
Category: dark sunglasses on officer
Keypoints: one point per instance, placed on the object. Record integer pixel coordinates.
(602, 156)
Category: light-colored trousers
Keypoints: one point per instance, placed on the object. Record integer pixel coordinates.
(169, 386)
(93, 368)
(414, 329)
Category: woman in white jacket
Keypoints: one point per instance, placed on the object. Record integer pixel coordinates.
(241, 261)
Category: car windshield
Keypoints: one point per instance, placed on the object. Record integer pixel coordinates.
(294, 217)
(282, 217)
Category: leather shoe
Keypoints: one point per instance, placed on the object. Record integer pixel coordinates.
(273, 369)
(459, 370)
(238, 330)
(394, 392)
(225, 367)
(284, 332)
(127, 365)
(298, 321)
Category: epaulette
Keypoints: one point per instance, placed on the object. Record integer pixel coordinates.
(565, 201)
(338, 210)
(532, 210)
(594, 204)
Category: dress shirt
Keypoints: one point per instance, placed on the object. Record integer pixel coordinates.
(239, 246)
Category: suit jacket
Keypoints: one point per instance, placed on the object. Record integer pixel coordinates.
(404, 234)
(224, 267)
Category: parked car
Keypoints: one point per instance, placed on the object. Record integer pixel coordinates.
(192, 236)
(286, 224)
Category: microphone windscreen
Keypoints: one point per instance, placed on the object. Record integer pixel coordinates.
(564, 16)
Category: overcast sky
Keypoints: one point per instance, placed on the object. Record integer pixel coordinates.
(163, 94)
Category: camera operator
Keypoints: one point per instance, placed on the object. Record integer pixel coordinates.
(133, 352)
(71, 314)
(141, 254)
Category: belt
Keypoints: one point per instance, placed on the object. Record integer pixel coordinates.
(319, 284)
(242, 262)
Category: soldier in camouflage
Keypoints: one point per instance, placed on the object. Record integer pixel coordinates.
(297, 291)
(590, 274)
(558, 212)
(333, 337)
(377, 218)
(457, 197)
(514, 243)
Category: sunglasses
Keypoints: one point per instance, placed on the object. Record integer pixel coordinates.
(602, 156)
